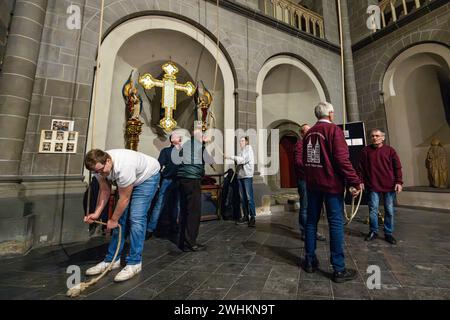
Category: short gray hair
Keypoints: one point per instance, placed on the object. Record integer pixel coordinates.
(378, 130)
(323, 110)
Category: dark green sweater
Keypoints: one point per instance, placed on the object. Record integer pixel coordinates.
(193, 165)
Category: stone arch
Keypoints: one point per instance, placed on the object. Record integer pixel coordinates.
(270, 64)
(223, 43)
(414, 119)
(115, 39)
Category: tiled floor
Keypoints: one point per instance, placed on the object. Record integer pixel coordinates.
(246, 263)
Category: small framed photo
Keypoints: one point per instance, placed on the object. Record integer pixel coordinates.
(62, 125)
(72, 136)
(59, 147)
(60, 135)
(70, 148)
(47, 146)
(48, 135)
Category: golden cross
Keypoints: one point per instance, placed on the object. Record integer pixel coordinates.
(170, 86)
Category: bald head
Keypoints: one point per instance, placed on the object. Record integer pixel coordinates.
(304, 129)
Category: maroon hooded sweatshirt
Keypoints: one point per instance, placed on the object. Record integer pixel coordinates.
(298, 160)
(380, 168)
(326, 159)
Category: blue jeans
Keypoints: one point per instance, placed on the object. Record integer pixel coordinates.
(374, 203)
(160, 203)
(134, 218)
(334, 204)
(301, 186)
(246, 193)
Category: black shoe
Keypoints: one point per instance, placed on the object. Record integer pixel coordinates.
(252, 222)
(242, 221)
(311, 267)
(371, 236)
(347, 275)
(185, 249)
(389, 238)
(148, 235)
(320, 237)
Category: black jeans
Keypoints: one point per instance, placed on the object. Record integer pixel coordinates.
(190, 211)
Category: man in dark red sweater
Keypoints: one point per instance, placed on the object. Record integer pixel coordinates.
(301, 183)
(327, 170)
(381, 172)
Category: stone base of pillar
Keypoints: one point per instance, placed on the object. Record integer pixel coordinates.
(37, 214)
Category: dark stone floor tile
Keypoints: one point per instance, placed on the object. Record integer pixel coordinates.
(315, 288)
(236, 294)
(282, 286)
(350, 290)
(231, 268)
(178, 292)
(277, 296)
(306, 297)
(389, 292)
(423, 293)
(257, 270)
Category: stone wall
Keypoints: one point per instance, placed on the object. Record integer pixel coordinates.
(357, 13)
(67, 59)
(48, 199)
(372, 61)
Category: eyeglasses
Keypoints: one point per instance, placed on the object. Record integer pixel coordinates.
(376, 135)
(99, 170)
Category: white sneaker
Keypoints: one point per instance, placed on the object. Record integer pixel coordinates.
(128, 272)
(100, 267)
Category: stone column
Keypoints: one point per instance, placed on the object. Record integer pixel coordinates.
(17, 80)
(350, 82)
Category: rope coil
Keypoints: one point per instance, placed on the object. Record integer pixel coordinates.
(75, 291)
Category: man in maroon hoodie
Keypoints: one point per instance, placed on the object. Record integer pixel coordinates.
(381, 172)
(301, 183)
(327, 171)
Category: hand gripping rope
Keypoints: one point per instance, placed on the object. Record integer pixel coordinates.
(354, 209)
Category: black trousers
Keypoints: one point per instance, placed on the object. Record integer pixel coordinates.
(190, 211)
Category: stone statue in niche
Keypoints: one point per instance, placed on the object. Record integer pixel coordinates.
(437, 165)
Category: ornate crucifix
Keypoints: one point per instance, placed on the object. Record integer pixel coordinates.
(170, 86)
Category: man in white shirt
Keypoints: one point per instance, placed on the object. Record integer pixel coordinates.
(246, 164)
(137, 178)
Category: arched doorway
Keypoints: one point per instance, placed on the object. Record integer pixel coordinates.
(287, 170)
(416, 93)
(288, 90)
(144, 43)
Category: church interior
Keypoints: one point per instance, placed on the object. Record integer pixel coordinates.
(67, 74)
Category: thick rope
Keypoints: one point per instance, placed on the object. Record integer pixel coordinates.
(354, 210)
(75, 291)
(344, 103)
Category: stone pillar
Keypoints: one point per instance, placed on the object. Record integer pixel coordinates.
(350, 82)
(17, 80)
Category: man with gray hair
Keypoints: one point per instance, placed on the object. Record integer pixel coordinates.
(327, 170)
(381, 171)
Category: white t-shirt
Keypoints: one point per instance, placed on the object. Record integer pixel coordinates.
(131, 167)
